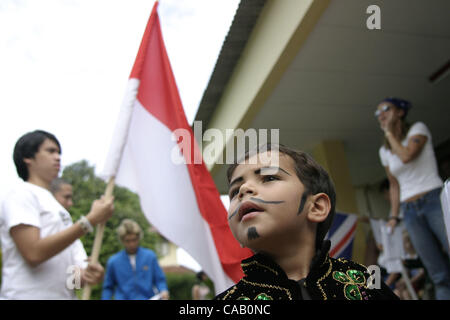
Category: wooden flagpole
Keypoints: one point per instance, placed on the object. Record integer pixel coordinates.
(98, 238)
(128, 104)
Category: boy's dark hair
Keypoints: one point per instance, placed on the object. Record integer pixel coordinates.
(312, 175)
(27, 146)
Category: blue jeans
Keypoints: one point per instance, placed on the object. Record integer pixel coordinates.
(424, 222)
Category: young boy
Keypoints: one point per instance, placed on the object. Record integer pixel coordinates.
(282, 212)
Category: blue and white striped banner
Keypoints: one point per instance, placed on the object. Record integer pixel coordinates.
(341, 234)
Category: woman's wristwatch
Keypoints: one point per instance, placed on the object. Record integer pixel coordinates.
(395, 218)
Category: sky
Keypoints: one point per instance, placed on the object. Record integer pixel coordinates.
(64, 67)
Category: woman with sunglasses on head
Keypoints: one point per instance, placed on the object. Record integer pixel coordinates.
(415, 186)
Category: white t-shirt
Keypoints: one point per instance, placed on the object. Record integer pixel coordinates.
(419, 175)
(132, 260)
(32, 205)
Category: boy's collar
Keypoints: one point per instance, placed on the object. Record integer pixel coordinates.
(260, 262)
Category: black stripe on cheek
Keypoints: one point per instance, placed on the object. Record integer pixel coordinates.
(235, 212)
(302, 203)
(268, 202)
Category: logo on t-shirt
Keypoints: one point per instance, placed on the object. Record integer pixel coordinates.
(65, 217)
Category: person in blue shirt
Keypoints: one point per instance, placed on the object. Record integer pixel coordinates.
(132, 274)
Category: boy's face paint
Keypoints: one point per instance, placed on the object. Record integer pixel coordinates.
(279, 195)
(254, 200)
(300, 209)
(302, 202)
(252, 233)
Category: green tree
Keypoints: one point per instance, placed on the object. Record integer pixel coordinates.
(86, 188)
(180, 285)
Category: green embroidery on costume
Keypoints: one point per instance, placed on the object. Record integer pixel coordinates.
(341, 277)
(357, 276)
(352, 292)
(351, 279)
(243, 298)
(263, 296)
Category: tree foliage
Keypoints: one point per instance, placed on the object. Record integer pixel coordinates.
(180, 285)
(86, 188)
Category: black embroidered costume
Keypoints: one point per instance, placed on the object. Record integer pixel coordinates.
(328, 279)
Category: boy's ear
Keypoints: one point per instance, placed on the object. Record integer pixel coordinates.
(319, 207)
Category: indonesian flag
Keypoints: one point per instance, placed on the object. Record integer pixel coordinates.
(179, 199)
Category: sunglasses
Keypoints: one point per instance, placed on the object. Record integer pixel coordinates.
(384, 108)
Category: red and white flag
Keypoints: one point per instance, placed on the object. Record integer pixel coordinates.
(180, 200)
